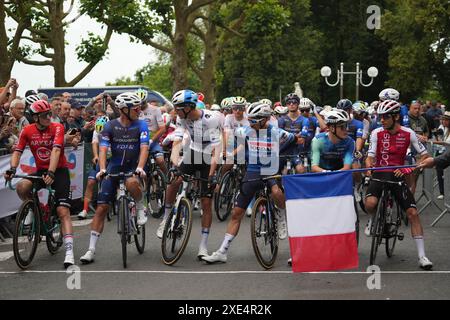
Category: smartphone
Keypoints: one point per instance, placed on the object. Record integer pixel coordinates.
(73, 131)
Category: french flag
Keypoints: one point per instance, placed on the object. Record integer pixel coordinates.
(321, 221)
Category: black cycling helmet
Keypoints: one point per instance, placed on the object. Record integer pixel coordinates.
(344, 104)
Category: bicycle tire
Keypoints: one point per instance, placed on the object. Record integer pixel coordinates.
(159, 195)
(356, 222)
(225, 196)
(377, 230)
(391, 240)
(178, 227)
(31, 233)
(123, 206)
(139, 237)
(53, 230)
(263, 226)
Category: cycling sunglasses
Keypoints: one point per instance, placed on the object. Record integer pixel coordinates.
(239, 108)
(256, 120)
(292, 102)
(45, 115)
(386, 116)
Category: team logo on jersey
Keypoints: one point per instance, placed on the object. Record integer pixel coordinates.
(144, 135)
(43, 154)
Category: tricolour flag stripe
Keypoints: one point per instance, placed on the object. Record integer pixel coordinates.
(324, 253)
(318, 185)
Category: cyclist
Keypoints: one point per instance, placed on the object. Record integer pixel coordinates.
(128, 139)
(333, 150)
(204, 129)
(151, 114)
(99, 124)
(225, 104)
(263, 143)
(294, 123)
(388, 147)
(46, 142)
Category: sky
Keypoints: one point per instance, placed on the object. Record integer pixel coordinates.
(123, 59)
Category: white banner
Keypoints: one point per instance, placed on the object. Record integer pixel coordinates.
(10, 202)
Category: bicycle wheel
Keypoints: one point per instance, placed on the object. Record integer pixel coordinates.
(156, 193)
(391, 229)
(264, 233)
(123, 228)
(377, 229)
(139, 237)
(225, 197)
(177, 231)
(356, 222)
(26, 234)
(53, 231)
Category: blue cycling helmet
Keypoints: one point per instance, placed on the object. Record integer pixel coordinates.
(100, 123)
(185, 98)
(344, 104)
(201, 105)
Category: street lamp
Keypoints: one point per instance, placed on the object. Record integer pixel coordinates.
(372, 72)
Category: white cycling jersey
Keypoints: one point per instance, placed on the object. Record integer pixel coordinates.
(153, 117)
(232, 123)
(203, 133)
(273, 121)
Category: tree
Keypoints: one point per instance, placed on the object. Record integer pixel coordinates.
(46, 27)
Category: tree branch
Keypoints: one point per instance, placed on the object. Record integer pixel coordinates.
(73, 20)
(194, 68)
(199, 33)
(65, 14)
(35, 63)
(197, 4)
(158, 46)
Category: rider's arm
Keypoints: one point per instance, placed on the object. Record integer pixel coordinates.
(348, 156)
(162, 127)
(102, 157)
(58, 144)
(54, 159)
(359, 144)
(15, 159)
(321, 121)
(175, 155)
(315, 155)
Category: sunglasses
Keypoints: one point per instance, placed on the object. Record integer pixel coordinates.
(291, 102)
(342, 126)
(256, 121)
(386, 116)
(239, 108)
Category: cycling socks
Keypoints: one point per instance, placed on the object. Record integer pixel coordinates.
(420, 245)
(167, 210)
(204, 240)
(93, 240)
(68, 243)
(226, 243)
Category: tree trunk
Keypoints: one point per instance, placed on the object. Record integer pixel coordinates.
(208, 73)
(180, 56)
(56, 13)
(5, 70)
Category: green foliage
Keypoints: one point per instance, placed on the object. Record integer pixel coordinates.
(91, 49)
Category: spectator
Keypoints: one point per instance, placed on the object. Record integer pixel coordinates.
(445, 129)
(8, 93)
(42, 96)
(66, 96)
(17, 110)
(56, 108)
(77, 111)
(7, 137)
(434, 115)
(418, 123)
(64, 115)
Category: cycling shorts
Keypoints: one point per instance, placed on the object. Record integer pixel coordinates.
(191, 167)
(61, 185)
(249, 189)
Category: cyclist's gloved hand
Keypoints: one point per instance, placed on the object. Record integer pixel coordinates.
(100, 174)
(212, 182)
(49, 177)
(358, 155)
(173, 173)
(140, 172)
(9, 174)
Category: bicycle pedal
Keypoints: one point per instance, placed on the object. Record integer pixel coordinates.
(400, 236)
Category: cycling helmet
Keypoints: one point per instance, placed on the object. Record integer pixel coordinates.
(305, 104)
(142, 94)
(226, 103)
(200, 105)
(336, 116)
(292, 96)
(276, 104)
(31, 99)
(388, 107)
(266, 101)
(100, 123)
(280, 110)
(127, 100)
(359, 107)
(185, 97)
(344, 104)
(259, 110)
(238, 101)
(375, 104)
(389, 94)
(215, 107)
(319, 109)
(40, 106)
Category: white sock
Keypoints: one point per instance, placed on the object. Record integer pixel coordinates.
(93, 240)
(420, 246)
(68, 244)
(140, 204)
(167, 210)
(204, 240)
(226, 243)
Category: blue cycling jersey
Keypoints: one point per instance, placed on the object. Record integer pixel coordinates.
(125, 142)
(330, 156)
(297, 126)
(355, 129)
(263, 147)
(404, 118)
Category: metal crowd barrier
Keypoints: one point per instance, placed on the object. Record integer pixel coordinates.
(446, 194)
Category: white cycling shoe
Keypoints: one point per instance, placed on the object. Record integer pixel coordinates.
(69, 261)
(82, 215)
(88, 257)
(202, 252)
(160, 231)
(141, 217)
(216, 257)
(425, 264)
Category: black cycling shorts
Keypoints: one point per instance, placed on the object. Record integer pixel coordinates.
(249, 189)
(402, 193)
(61, 185)
(195, 163)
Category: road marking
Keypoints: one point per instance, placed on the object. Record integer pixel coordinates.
(225, 272)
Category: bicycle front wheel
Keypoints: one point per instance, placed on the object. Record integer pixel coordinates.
(156, 193)
(264, 233)
(139, 237)
(392, 227)
(225, 197)
(26, 234)
(54, 236)
(176, 232)
(123, 228)
(377, 230)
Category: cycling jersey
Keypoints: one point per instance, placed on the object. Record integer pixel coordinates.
(355, 129)
(404, 118)
(125, 142)
(232, 123)
(391, 149)
(263, 147)
(42, 142)
(330, 156)
(297, 126)
(153, 118)
(204, 132)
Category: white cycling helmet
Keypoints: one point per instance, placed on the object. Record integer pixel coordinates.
(127, 100)
(336, 116)
(266, 101)
(305, 104)
(238, 101)
(388, 107)
(226, 103)
(185, 97)
(280, 110)
(389, 94)
(359, 107)
(215, 107)
(31, 99)
(259, 110)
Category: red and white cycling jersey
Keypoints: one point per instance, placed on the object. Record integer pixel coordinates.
(391, 149)
(42, 142)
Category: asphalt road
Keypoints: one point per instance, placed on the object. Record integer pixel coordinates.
(240, 278)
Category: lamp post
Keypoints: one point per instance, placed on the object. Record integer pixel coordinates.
(372, 72)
